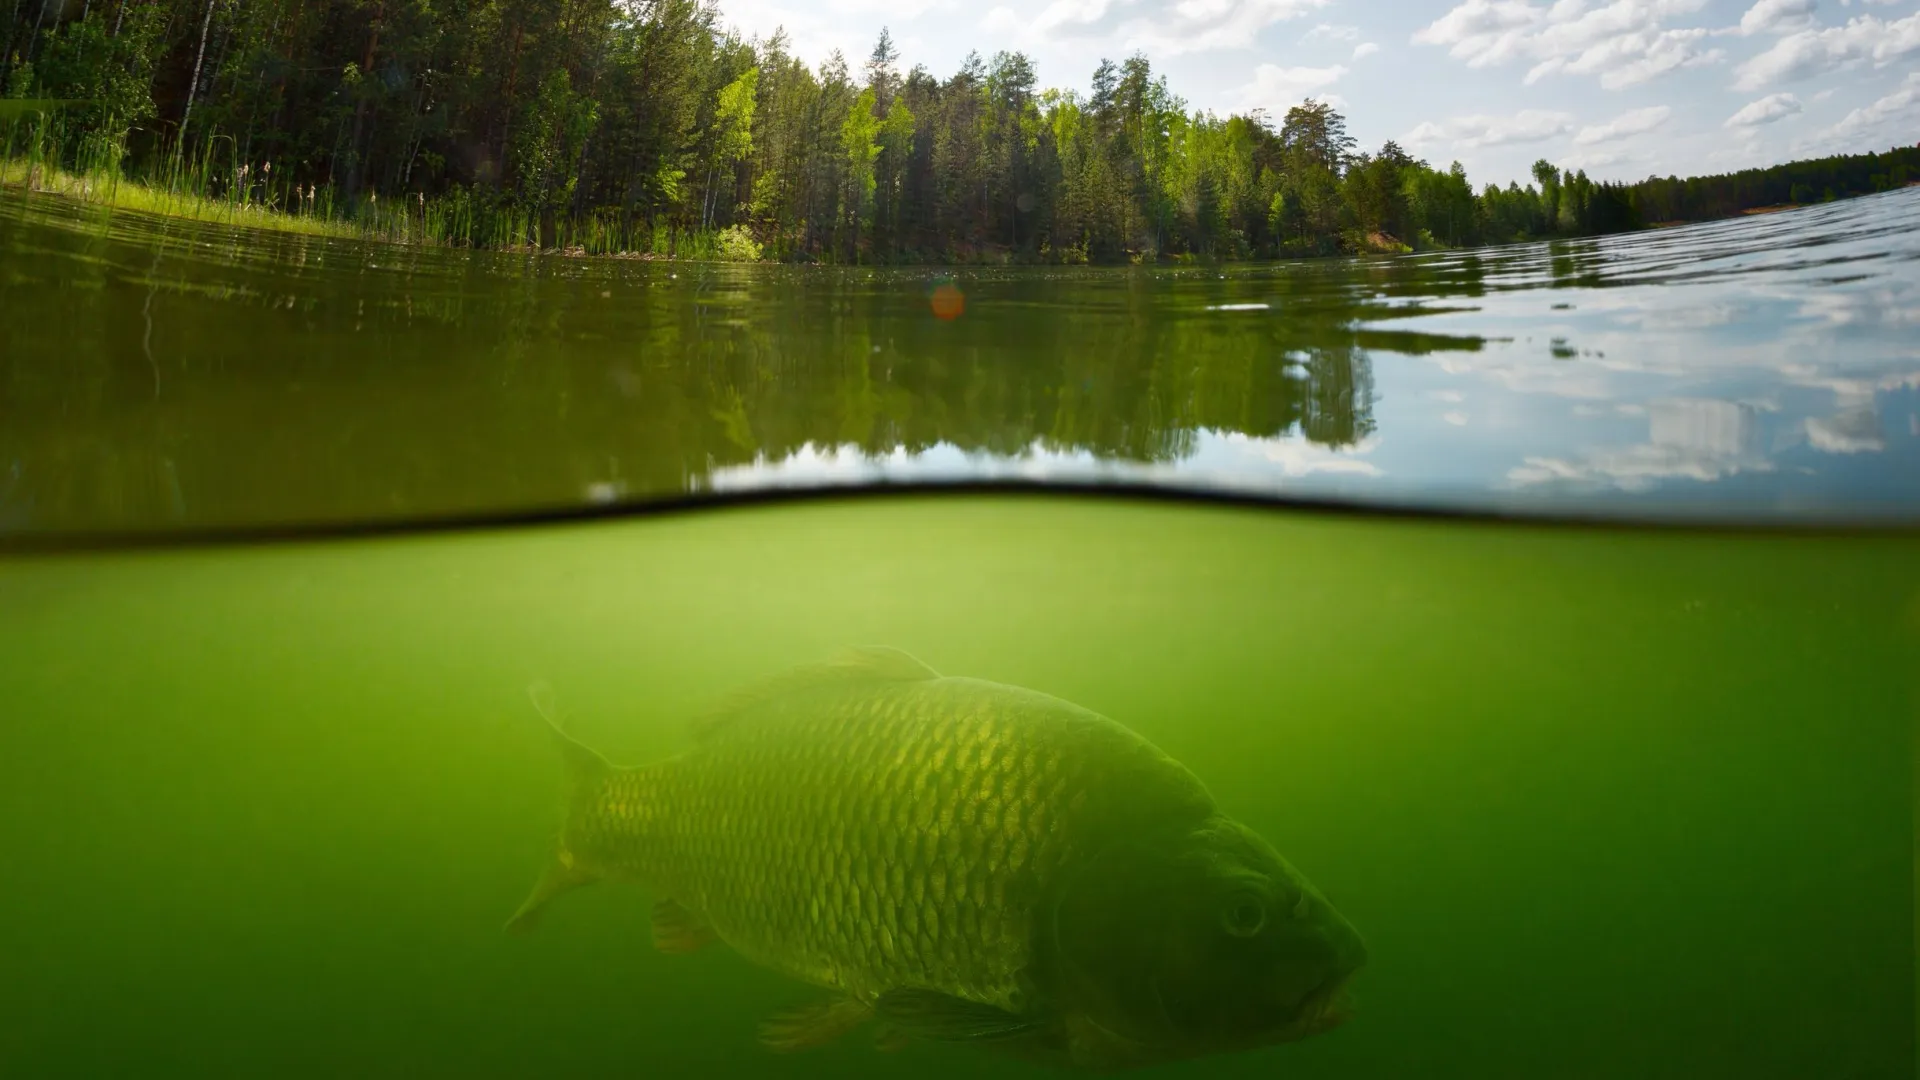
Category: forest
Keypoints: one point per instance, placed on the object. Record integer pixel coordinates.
(647, 126)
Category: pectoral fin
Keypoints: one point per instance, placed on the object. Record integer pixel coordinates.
(927, 1014)
(891, 1040)
(815, 1024)
(677, 930)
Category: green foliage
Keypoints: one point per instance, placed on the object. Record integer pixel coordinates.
(587, 126)
(736, 244)
(553, 126)
(859, 141)
(734, 119)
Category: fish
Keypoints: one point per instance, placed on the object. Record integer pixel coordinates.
(953, 860)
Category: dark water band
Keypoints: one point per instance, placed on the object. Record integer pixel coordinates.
(1904, 524)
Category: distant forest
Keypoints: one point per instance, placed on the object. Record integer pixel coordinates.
(645, 126)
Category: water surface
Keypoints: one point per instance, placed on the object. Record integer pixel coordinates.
(158, 374)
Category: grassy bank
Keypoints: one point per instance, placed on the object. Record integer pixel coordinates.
(208, 186)
(123, 194)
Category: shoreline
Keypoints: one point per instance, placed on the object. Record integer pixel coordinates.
(404, 228)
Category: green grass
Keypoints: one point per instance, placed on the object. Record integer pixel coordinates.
(125, 194)
(42, 155)
(208, 184)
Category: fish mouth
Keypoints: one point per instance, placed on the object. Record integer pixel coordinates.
(1324, 1008)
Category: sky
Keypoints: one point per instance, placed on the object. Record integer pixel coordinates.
(1623, 89)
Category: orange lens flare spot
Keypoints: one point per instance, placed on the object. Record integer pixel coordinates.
(948, 302)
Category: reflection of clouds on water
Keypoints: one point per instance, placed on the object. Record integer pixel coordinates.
(1524, 375)
(1224, 460)
(1697, 317)
(1297, 457)
(1706, 439)
(1688, 438)
(1854, 427)
(1853, 391)
(1886, 307)
(1721, 429)
(1856, 431)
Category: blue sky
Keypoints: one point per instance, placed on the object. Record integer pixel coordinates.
(1621, 88)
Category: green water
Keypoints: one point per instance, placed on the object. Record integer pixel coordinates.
(1604, 803)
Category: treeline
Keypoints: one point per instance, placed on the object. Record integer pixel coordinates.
(1703, 198)
(645, 126)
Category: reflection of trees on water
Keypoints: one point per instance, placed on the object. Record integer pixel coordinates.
(326, 394)
(1118, 388)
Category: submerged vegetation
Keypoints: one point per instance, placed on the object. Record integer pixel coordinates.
(649, 128)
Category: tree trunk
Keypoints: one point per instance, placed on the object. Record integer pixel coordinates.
(580, 163)
(187, 114)
(506, 122)
(33, 42)
(706, 213)
(355, 154)
(13, 27)
(286, 53)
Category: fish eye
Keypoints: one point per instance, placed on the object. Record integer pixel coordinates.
(1245, 915)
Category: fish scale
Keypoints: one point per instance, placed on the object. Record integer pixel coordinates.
(867, 833)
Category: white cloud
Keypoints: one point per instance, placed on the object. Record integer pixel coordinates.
(1777, 17)
(1330, 32)
(1637, 122)
(1059, 17)
(1181, 27)
(1808, 53)
(1623, 43)
(816, 27)
(1900, 107)
(1598, 159)
(1364, 50)
(1277, 89)
(1470, 132)
(1765, 111)
(1201, 25)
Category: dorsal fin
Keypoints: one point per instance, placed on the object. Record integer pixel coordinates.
(857, 664)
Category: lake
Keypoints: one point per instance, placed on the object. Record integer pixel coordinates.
(1612, 764)
(179, 376)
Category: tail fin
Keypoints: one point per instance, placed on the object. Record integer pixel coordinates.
(586, 770)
